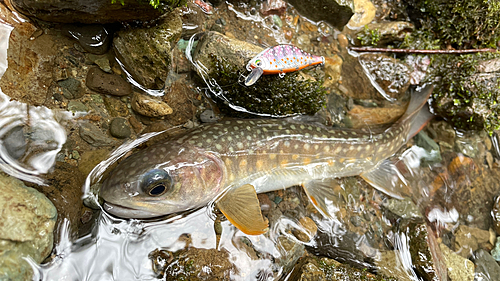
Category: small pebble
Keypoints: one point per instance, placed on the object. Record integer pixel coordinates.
(119, 128)
(110, 84)
(76, 106)
(150, 106)
(75, 155)
(93, 135)
(208, 116)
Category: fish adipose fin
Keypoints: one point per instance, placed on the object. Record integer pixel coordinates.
(242, 208)
(386, 178)
(322, 195)
(253, 76)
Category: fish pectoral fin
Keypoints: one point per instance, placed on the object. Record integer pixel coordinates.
(323, 195)
(388, 179)
(242, 208)
(254, 76)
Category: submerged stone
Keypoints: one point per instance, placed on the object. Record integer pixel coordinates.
(93, 11)
(93, 38)
(150, 106)
(26, 228)
(224, 60)
(110, 84)
(147, 52)
(334, 12)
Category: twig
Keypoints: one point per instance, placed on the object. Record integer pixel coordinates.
(413, 51)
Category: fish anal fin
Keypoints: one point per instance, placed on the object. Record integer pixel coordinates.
(386, 178)
(241, 207)
(323, 195)
(254, 76)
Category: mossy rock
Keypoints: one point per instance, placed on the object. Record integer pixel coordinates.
(224, 61)
(463, 94)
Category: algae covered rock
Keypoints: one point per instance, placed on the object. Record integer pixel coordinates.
(93, 11)
(26, 227)
(147, 52)
(464, 93)
(222, 60)
(334, 12)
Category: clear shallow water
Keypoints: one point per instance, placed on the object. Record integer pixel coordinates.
(119, 249)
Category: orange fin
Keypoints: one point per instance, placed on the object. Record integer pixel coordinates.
(241, 207)
(323, 195)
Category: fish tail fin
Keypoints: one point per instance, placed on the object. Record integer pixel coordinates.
(417, 113)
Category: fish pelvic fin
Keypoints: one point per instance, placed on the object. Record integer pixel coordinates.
(241, 207)
(254, 76)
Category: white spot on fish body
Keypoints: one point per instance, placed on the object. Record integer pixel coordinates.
(239, 145)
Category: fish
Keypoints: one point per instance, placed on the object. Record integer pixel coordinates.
(279, 59)
(231, 161)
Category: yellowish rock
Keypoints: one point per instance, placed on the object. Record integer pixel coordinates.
(364, 13)
(150, 106)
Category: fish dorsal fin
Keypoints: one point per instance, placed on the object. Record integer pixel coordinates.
(386, 178)
(253, 76)
(419, 121)
(241, 207)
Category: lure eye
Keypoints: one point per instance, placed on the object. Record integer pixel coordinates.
(258, 62)
(157, 182)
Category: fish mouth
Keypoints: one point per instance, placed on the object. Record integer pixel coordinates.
(128, 213)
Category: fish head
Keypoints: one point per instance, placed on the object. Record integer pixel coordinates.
(162, 180)
(257, 62)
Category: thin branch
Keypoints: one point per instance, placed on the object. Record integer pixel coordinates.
(413, 51)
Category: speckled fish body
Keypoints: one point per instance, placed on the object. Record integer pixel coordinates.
(267, 154)
(282, 59)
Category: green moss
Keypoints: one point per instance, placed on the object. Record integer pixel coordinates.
(461, 23)
(464, 96)
(157, 4)
(339, 271)
(270, 95)
(369, 37)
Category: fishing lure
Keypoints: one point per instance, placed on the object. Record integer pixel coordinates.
(279, 59)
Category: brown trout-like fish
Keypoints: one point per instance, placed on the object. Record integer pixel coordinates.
(231, 161)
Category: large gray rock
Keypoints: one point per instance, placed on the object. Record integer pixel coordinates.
(214, 44)
(147, 52)
(334, 12)
(26, 227)
(92, 11)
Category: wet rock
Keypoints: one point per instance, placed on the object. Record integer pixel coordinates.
(486, 267)
(215, 44)
(468, 240)
(443, 133)
(192, 264)
(72, 88)
(95, 39)
(308, 230)
(95, 11)
(224, 60)
(391, 31)
(101, 60)
(361, 116)
(76, 106)
(405, 208)
(109, 84)
(90, 159)
(433, 154)
(119, 128)
(116, 107)
(459, 268)
(93, 135)
(31, 62)
(26, 228)
(150, 106)
(336, 13)
(391, 75)
(208, 116)
(273, 7)
(14, 142)
(147, 52)
(193, 20)
(315, 269)
(364, 13)
(389, 264)
(333, 68)
(182, 99)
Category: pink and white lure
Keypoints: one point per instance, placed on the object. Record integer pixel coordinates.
(279, 59)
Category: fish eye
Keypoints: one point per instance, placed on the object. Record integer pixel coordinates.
(157, 182)
(258, 62)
